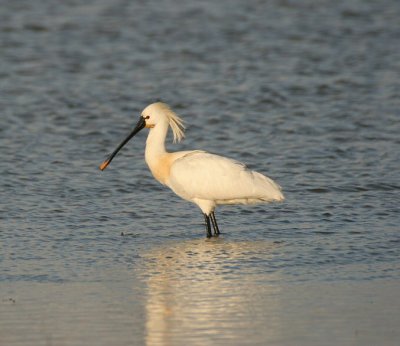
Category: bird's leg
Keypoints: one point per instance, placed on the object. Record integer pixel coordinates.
(208, 226)
(214, 223)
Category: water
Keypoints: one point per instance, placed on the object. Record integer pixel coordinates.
(307, 93)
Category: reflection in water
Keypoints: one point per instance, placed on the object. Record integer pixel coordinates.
(202, 292)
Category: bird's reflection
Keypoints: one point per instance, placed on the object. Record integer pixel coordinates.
(201, 291)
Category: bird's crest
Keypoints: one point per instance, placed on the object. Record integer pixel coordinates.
(174, 121)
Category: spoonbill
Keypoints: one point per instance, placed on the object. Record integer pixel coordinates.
(197, 176)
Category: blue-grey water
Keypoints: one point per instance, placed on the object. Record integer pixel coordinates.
(307, 92)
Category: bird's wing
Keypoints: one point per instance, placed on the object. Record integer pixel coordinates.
(207, 176)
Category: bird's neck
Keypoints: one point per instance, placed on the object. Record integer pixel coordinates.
(155, 153)
(155, 144)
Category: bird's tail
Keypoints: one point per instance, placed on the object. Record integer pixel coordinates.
(272, 190)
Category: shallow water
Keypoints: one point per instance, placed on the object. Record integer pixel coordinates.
(305, 93)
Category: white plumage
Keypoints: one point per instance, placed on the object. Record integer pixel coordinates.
(198, 176)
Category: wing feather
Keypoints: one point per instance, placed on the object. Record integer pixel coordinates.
(208, 176)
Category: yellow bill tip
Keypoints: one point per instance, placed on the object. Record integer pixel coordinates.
(104, 165)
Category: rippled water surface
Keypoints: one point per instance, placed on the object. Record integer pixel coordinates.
(306, 92)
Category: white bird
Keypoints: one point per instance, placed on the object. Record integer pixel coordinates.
(197, 176)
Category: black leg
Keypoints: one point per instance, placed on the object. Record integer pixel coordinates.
(208, 226)
(214, 223)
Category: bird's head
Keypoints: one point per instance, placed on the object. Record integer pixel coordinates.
(155, 113)
(160, 112)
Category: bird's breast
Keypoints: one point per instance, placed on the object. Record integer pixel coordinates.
(160, 164)
(160, 167)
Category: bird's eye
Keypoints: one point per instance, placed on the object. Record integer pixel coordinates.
(147, 117)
